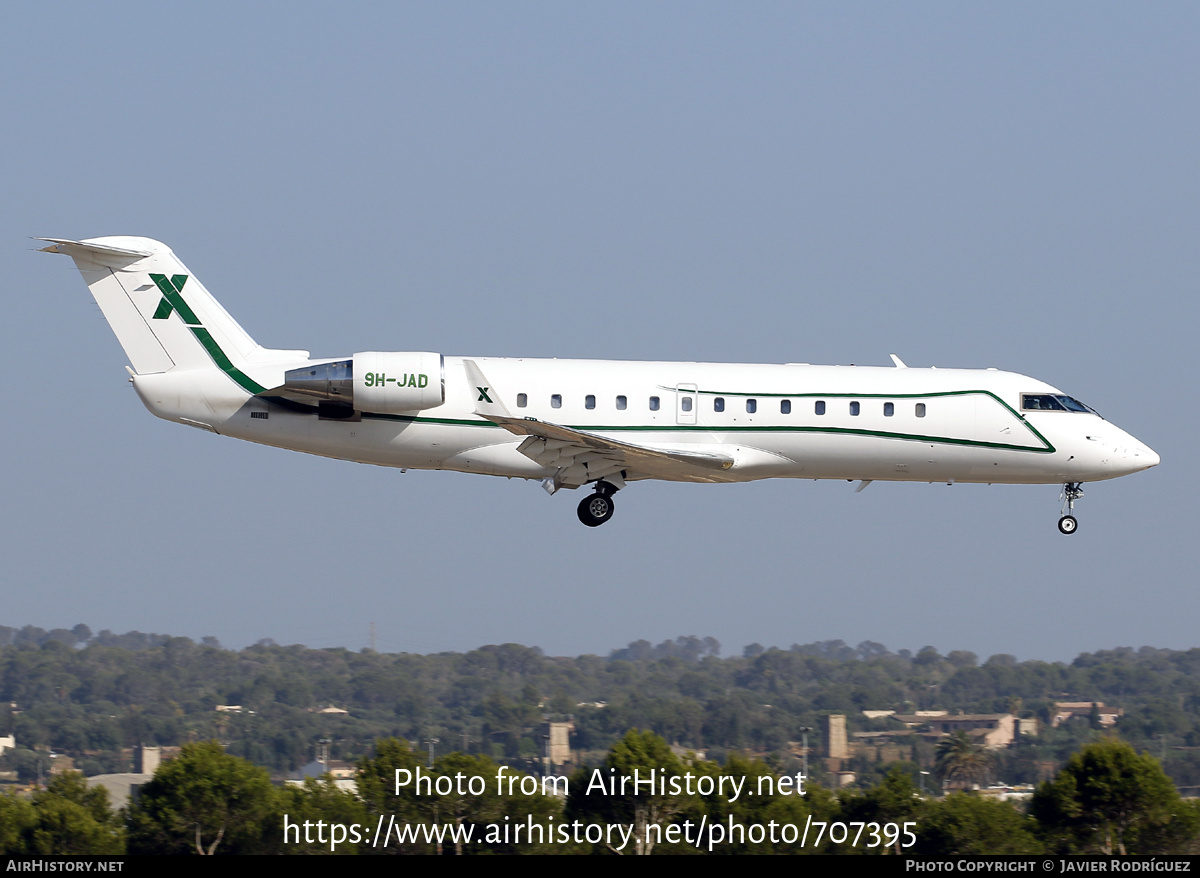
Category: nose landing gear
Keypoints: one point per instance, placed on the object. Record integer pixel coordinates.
(597, 508)
(1071, 492)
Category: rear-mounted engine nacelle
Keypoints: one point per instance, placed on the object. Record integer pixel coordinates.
(373, 381)
(398, 382)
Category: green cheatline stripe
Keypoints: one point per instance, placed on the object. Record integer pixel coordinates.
(214, 350)
(674, 428)
(841, 431)
(173, 301)
(414, 419)
(937, 393)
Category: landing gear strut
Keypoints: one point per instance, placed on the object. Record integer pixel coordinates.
(597, 508)
(1071, 492)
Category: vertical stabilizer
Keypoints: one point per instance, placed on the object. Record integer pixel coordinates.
(163, 317)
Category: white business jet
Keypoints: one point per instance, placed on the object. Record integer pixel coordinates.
(570, 423)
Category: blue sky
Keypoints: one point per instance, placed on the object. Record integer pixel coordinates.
(1012, 186)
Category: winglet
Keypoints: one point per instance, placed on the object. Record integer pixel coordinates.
(487, 400)
(899, 362)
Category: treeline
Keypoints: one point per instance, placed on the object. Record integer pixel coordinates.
(94, 697)
(1107, 799)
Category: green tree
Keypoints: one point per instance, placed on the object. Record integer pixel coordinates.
(203, 800)
(377, 785)
(496, 808)
(641, 752)
(72, 818)
(16, 818)
(460, 805)
(311, 810)
(895, 801)
(1108, 797)
(964, 824)
(961, 761)
(779, 803)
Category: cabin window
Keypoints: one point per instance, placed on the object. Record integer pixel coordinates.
(589, 401)
(888, 409)
(622, 402)
(522, 400)
(920, 410)
(556, 401)
(719, 404)
(685, 403)
(751, 406)
(654, 403)
(855, 408)
(785, 406)
(819, 406)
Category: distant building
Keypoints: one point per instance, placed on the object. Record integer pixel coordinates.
(557, 738)
(337, 769)
(1007, 792)
(343, 784)
(891, 746)
(8, 742)
(917, 717)
(993, 730)
(123, 788)
(149, 758)
(60, 764)
(1065, 710)
(683, 752)
(836, 745)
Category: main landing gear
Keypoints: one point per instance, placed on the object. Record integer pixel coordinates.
(1071, 492)
(597, 508)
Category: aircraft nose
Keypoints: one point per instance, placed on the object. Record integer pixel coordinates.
(1138, 456)
(1126, 454)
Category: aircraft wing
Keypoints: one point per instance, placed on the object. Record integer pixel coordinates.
(581, 457)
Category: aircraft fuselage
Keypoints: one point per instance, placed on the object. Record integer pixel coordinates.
(604, 423)
(777, 421)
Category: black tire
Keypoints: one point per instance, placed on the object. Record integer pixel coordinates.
(595, 509)
(1067, 524)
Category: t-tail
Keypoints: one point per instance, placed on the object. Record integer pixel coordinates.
(163, 316)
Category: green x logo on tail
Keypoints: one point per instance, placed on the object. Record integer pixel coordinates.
(483, 394)
(171, 300)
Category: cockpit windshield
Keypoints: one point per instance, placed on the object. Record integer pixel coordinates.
(1053, 402)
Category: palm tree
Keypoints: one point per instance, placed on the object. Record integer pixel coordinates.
(961, 761)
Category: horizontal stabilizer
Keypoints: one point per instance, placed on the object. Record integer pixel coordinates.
(66, 246)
